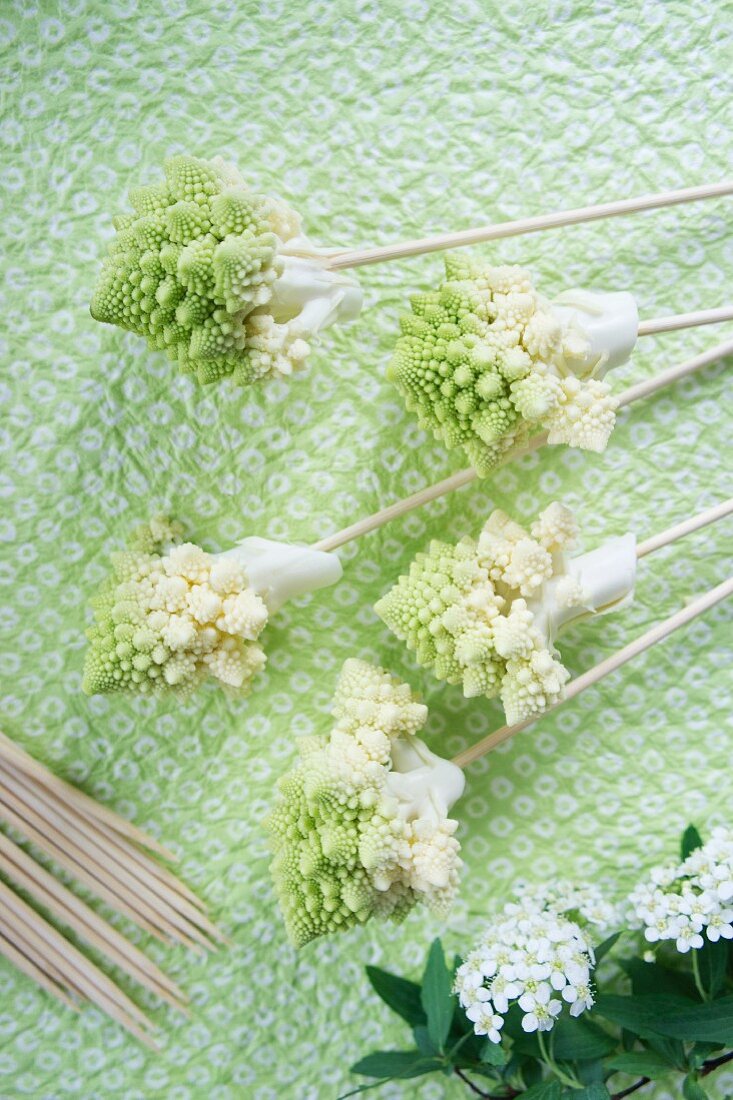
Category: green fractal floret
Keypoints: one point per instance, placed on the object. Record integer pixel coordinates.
(170, 615)
(192, 265)
(484, 363)
(360, 828)
(473, 611)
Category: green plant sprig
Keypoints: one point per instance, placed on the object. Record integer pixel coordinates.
(672, 1017)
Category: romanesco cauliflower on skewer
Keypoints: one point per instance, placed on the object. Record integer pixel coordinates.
(361, 827)
(218, 276)
(485, 362)
(171, 615)
(484, 612)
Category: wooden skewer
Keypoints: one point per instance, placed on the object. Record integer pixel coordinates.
(611, 664)
(686, 320)
(77, 798)
(358, 257)
(112, 837)
(39, 938)
(132, 876)
(100, 849)
(21, 869)
(48, 844)
(465, 477)
(34, 936)
(694, 523)
(33, 970)
(136, 855)
(15, 930)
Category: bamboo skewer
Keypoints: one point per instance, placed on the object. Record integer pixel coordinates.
(16, 865)
(358, 257)
(39, 941)
(77, 798)
(20, 822)
(657, 634)
(133, 876)
(686, 527)
(107, 854)
(685, 320)
(465, 477)
(32, 970)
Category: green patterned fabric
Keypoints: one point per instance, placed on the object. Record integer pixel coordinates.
(377, 121)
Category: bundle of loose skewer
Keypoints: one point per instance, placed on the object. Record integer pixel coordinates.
(110, 857)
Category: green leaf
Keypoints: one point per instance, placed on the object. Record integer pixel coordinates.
(402, 996)
(530, 1071)
(673, 1050)
(589, 1072)
(545, 1090)
(396, 1063)
(578, 1039)
(464, 1049)
(605, 947)
(692, 1089)
(691, 840)
(436, 996)
(641, 1063)
(656, 978)
(423, 1042)
(493, 1054)
(676, 1017)
(712, 960)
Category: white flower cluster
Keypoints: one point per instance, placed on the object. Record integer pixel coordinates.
(681, 901)
(535, 955)
(584, 904)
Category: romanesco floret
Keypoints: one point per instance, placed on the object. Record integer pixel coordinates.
(470, 611)
(484, 362)
(170, 615)
(194, 269)
(361, 828)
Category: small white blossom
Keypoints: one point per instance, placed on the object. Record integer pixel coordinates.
(686, 902)
(532, 951)
(486, 1021)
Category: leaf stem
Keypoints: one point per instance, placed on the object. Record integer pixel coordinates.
(567, 1079)
(698, 980)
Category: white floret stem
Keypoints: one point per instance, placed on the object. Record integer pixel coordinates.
(657, 634)
(465, 477)
(500, 230)
(278, 571)
(312, 296)
(607, 574)
(425, 785)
